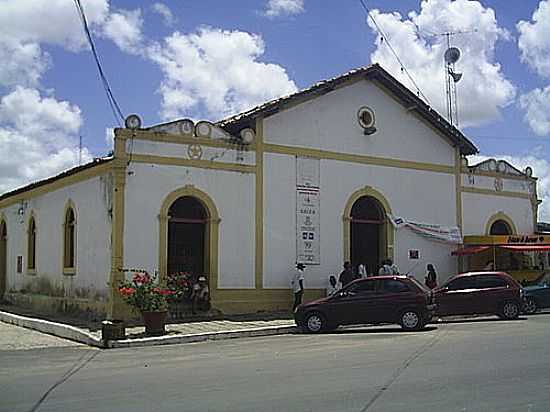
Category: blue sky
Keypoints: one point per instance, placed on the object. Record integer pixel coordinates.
(161, 57)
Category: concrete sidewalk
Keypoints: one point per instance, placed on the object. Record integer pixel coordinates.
(176, 333)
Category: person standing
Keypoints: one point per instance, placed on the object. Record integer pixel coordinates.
(393, 267)
(431, 277)
(385, 269)
(361, 271)
(297, 284)
(347, 275)
(332, 287)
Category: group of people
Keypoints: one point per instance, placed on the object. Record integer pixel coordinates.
(387, 268)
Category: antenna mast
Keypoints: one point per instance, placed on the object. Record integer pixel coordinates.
(452, 77)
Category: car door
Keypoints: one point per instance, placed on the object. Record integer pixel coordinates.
(354, 304)
(491, 292)
(393, 296)
(456, 298)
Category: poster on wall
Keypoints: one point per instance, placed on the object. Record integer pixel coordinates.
(307, 172)
(307, 227)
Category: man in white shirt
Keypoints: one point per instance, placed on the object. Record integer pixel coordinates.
(297, 285)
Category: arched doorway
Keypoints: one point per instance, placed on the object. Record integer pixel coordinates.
(187, 227)
(500, 227)
(368, 242)
(3, 257)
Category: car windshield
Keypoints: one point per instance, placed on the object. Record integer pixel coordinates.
(419, 284)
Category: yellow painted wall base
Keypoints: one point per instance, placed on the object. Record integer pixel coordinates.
(85, 308)
(247, 301)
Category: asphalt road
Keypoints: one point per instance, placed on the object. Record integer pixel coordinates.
(483, 365)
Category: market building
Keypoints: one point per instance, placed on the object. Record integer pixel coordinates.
(356, 168)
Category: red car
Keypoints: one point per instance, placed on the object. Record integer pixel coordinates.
(480, 293)
(379, 299)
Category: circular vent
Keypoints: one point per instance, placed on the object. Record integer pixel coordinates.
(365, 116)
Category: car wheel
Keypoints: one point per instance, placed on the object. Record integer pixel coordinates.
(510, 310)
(411, 320)
(530, 306)
(314, 322)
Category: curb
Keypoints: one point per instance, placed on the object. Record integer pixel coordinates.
(201, 337)
(52, 328)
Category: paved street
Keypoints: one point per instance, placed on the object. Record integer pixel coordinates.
(482, 365)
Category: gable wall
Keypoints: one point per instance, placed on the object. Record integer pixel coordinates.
(329, 122)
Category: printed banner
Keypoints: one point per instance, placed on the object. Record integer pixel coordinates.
(449, 234)
(307, 227)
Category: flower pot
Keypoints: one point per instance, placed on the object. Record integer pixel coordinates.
(154, 323)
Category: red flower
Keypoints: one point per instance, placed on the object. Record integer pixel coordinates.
(126, 291)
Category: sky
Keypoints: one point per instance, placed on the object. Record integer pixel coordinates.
(209, 59)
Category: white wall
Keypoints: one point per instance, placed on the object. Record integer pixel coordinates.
(478, 209)
(234, 196)
(417, 195)
(93, 237)
(330, 122)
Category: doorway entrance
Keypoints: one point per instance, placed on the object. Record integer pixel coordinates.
(500, 227)
(3, 258)
(187, 224)
(367, 233)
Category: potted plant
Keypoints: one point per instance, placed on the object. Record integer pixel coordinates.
(180, 285)
(144, 294)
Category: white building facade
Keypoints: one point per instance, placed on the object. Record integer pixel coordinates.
(355, 169)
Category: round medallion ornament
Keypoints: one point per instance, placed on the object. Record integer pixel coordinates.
(365, 116)
(132, 122)
(492, 165)
(528, 171)
(186, 127)
(501, 166)
(194, 151)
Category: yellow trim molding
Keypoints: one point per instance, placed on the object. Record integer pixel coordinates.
(388, 234)
(500, 216)
(162, 137)
(355, 158)
(69, 204)
(490, 192)
(203, 164)
(3, 256)
(116, 306)
(468, 172)
(259, 206)
(212, 233)
(458, 184)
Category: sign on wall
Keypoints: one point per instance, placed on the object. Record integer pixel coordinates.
(307, 227)
(308, 223)
(307, 172)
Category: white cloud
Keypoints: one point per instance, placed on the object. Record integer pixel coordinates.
(124, 27)
(483, 89)
(165, 12)
(536, 104)
(215, 73)
(22, 63)
(37, 137)
(534, 40)
(541, 169)
(275, 8)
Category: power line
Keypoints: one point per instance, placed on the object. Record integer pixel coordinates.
(385, 38)
(115, 108)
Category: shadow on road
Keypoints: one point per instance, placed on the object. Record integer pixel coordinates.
(478, 320)
(378, 330)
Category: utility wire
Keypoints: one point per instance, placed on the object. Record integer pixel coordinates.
(115, 108)
(385, 38)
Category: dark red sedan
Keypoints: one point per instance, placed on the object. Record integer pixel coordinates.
(480, 293)
(375, 300)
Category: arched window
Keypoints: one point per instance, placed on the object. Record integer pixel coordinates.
(69, 244)
(31, 245)
(500, 227)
